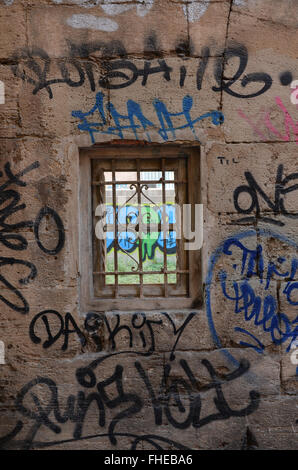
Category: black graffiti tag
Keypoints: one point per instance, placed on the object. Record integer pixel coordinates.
(118, 72)
(48, 413)
(64, 329)
(44, 212)
(240, 51)
(139, 328)
(11, 238)
(254, 191)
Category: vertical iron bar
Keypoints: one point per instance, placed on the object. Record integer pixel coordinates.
(116, 293)
(141, 293)
(163, 228)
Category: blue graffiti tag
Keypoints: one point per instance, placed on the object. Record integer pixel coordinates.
(135, 119)
(259, 311)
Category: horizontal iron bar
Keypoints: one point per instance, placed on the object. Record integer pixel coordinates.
(104, 273)
(98, 183)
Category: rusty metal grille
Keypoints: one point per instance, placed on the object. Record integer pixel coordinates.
(141, 263)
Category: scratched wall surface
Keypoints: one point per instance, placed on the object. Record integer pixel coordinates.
(218, 74)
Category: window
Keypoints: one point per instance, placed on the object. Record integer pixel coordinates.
(132, 251)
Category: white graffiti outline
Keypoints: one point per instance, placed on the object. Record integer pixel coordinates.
(82, 21)
(193, 10)
(2, 93)
(111, 8)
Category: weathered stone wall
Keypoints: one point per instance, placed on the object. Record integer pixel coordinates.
(223, 376)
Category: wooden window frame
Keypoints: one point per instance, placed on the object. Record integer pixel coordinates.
(88, 300)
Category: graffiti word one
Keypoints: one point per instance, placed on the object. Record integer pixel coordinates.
(34, 66)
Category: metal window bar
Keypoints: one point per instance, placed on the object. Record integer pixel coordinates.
(116, 285)
(102, 244)
(179, 262)
(111, 183)
(155, 177)
(165, 260)
(140, 238)
(161, 227)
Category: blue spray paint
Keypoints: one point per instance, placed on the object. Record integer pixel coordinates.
(246, 302)
(135, 120)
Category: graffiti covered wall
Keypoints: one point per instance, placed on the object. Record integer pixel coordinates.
(218, 75)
